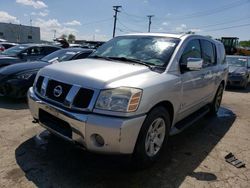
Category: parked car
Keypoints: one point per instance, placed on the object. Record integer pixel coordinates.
(3, 40)
(131, 93)
(6, 45)
(92, 44)
(25, 52)
(16, 79)
(75, 45)
(239, 74)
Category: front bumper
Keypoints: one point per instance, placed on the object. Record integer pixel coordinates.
(119, 134)
(236, 80)
(15, 88)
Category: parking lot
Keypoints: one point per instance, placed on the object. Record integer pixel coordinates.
(31, 157)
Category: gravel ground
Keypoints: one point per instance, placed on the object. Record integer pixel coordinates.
(31, 157)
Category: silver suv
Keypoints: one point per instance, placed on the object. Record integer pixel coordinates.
(132, 93)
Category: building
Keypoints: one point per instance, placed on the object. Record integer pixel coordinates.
(19, 33)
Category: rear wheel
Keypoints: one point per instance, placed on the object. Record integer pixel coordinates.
(217, 100)
(152, 138)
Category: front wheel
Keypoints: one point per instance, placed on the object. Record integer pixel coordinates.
(152, 138)
(245, 85)
(217, 100)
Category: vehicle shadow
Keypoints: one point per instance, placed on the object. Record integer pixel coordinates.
(238, 89)
(13, 104)
(50, 162)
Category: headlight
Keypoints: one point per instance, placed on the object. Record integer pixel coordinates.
(121, 99)
(24, 76)
(242, 73)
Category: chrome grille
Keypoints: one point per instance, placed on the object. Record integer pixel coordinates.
(69, 96)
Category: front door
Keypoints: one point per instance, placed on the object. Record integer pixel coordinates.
(194, 83)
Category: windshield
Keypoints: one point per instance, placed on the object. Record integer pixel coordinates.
(14, 51)
(60, 55)
(237, 61)
(149, 49)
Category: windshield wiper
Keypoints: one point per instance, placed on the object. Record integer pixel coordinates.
(137, 61)
(100, 57)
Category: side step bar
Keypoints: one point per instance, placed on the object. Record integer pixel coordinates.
(188, 121)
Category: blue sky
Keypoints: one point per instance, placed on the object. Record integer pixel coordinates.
(93, 19)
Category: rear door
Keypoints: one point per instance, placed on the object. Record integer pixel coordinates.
(210, 67)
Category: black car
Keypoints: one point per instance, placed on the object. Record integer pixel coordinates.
(25, 52)
(239, 74)
(16, 79)
(6, 45)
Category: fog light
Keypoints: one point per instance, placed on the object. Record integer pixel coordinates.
(97, 139)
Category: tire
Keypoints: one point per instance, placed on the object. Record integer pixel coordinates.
(245, 85)
(152, 138)
(214, 107)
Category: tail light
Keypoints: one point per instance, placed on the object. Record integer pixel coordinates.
(2, 48)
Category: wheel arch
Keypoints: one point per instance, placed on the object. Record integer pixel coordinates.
(223, 83)
(168, 106)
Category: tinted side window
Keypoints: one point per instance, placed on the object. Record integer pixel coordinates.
(49, 50)
(248, 63)
(6, 46)
(208, 53)
(222, 54)
(34, 51)
(192, 50)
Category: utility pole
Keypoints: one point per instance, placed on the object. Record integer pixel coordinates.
(54, 31)
(31, 32)
(149, 22)
(116, 9)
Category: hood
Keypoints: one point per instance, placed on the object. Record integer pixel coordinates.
(8, 60)
(233, 69)
(95, 73)
(22, 67)
(4, 57)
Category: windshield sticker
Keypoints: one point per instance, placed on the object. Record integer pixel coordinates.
(242, 59)
(70, 53)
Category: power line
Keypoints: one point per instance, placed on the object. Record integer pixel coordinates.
(133, 15)
(196, 14)
(235, 26)
(213, 11)
(127, 28)
(98, 21)
(223, 23)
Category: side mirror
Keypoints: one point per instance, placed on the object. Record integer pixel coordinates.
(195, 63)
(23, 55)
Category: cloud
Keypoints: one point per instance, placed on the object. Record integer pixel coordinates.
(51, 26)
(73, 23)
(165, 23)
(182, 28)
(7, 18)
(97, 30)
(35, 4)
(42, 13)
(96, 37)
(196, 30)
